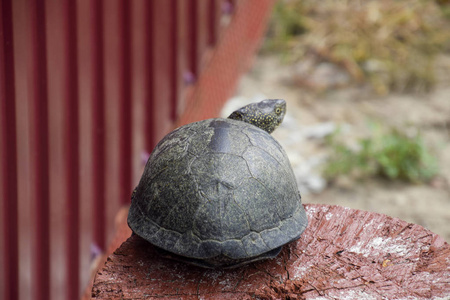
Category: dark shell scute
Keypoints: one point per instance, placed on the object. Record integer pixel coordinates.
(209, 248)
(291, 229)
(268, 171)
(188, 243)
(234, 248)
(215, 171)
(254, 244)
(261, 139)
(261, 211)
(272, 236)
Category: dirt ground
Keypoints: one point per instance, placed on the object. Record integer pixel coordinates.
(424, 204)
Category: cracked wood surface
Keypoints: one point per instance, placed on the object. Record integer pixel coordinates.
(343, 254)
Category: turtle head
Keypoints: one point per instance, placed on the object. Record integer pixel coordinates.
(267, 114)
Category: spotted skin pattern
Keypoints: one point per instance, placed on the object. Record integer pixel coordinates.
(267, 114)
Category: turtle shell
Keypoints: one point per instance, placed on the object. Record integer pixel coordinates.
(218, 188)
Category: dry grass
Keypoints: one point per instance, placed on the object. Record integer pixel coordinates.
(390, 44)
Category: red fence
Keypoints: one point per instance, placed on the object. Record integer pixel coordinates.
(87, 88)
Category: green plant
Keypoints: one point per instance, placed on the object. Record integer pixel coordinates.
(388, 153)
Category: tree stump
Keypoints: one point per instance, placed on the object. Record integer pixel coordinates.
(343, 254)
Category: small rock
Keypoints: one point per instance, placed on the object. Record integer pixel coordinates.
(316, 183)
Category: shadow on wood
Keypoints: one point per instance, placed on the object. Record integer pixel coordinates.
(344, 253)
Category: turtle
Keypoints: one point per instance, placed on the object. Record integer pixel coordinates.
(220, 193)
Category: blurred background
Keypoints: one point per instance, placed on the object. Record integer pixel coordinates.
(368, 91)
(89, 87)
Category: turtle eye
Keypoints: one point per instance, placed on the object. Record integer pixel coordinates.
(278, 110)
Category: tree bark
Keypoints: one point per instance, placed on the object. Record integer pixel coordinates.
(343, 254)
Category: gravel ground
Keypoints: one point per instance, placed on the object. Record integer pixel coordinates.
(311, 116)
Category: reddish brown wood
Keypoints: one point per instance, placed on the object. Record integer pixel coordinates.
(202, 28)
(192, 17)
(214, 12)
(174, 62)
(182, 62)
(343, 254)
(22, 43)
(39, 151)
(150, 124)
(125, 102)
(98, 117)
(71, 151)
(87, 85)
(9, 244)
(163, 76)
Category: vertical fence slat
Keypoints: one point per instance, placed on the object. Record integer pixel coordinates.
(149, 123)
(193, 37)
(138, 37)
(203, 32)
(174, 61)
(159, 78)
(39, 147)
(71, 151)
(182, 54)
(86, 132)
(8, 159)
(112, 77)
(163, 68)
(125, 103)
(22, 49)
(214, 21)
(98, 115)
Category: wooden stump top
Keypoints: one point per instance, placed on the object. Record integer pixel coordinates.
(344, 253)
